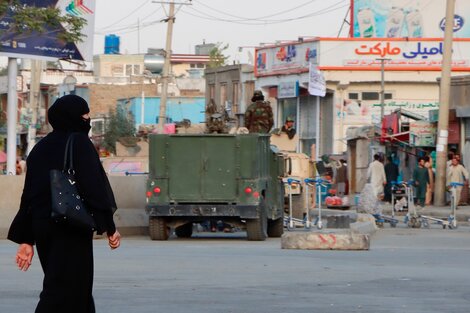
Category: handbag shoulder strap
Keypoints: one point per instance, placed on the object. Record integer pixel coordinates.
(68, 154)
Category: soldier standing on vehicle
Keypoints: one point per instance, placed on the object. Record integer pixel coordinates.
(259, 115)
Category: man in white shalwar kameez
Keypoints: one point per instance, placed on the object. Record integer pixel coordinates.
(376, 175)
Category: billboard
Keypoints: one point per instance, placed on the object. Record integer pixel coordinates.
(405, 18)
(46, 45)
(286, 58)
(412, 54)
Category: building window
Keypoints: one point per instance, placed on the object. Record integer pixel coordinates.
(223, 94)
(353, 96)
(388, 96)
(249, 90)
(235, 97)
(117, 70)
(212, 91)
(370, 96)
(200, 65)
(192, 65)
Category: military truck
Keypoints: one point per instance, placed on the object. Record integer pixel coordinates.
(236, 179)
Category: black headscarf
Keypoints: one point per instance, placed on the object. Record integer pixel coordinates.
(66, 114)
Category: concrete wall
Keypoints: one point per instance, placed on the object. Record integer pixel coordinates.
(129, 191)
(104, 97)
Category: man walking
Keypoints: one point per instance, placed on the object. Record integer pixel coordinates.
(456, 173)
(391, 174)
(376, 174)
(421, 178)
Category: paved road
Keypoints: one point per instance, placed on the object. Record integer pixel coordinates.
(406, 270)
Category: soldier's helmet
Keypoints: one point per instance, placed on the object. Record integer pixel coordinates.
(257, 95)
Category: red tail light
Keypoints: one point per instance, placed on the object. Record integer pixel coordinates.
(256, 194)
(248, 190)
(149, 194)
(157, 190)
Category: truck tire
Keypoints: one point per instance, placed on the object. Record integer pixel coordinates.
(257, 228)
(158, 229)
(184, 231)
(276, 228)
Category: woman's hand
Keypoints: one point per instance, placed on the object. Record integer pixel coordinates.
(24, 256)
(114, 240)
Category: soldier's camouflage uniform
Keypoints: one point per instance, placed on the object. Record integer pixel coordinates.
(259, 117)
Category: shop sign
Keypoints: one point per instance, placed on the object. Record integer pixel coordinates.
(422, 134)
(288, 90)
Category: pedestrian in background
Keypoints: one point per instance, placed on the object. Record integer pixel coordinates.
(421, 181)
(430, 187)
(341, 177)
(288, 127)
(66, 256)
(391, 174)
(259, 115)
(456, 173)
(376, 175)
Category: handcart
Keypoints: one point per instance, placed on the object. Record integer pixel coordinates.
(290, 222)
(451, 221)
(318, 183)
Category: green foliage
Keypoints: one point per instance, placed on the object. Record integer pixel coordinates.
(120, 124)
(217, 57)
(28, 20)
(3, 71)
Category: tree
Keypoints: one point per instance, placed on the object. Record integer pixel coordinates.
(217, 57)
(120, 125)
(26, 20)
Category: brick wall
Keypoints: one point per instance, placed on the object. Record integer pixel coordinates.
(103, 97)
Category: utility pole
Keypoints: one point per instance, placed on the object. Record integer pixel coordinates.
(444, 99)
(382, 87)
(166, 68)
(12, 108)
(166, 65)
(33, 107)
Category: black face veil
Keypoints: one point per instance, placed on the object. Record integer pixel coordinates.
(66, 114)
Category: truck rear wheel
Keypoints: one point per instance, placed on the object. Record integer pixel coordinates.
(276, 228)
(158, 229)
(184, 231)
(257, 229)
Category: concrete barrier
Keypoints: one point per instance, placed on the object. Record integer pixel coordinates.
(325, 240)
(129, 191)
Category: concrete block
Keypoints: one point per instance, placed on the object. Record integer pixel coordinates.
(366, 228)
(325, 241)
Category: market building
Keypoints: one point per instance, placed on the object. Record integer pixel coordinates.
(352, 70)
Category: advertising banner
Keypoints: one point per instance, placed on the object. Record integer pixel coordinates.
(423, 134)
(413, 54)
(405, 18)
(285, 58)
(316, 81)
(46, 45)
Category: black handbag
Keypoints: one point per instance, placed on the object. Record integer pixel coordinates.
(67, 204)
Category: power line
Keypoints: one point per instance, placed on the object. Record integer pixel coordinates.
(326, 10)
(125, 17)
(257, 18)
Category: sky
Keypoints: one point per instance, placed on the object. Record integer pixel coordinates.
(241, 23)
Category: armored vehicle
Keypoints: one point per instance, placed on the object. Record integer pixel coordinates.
(236, 179)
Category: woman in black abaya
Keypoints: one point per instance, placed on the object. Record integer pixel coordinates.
(66, 256)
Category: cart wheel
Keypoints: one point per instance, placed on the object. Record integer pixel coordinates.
(417, 223)
(443, 226)
(393, 225)
(425, 224)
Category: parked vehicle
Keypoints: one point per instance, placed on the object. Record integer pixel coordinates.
(236, 179)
